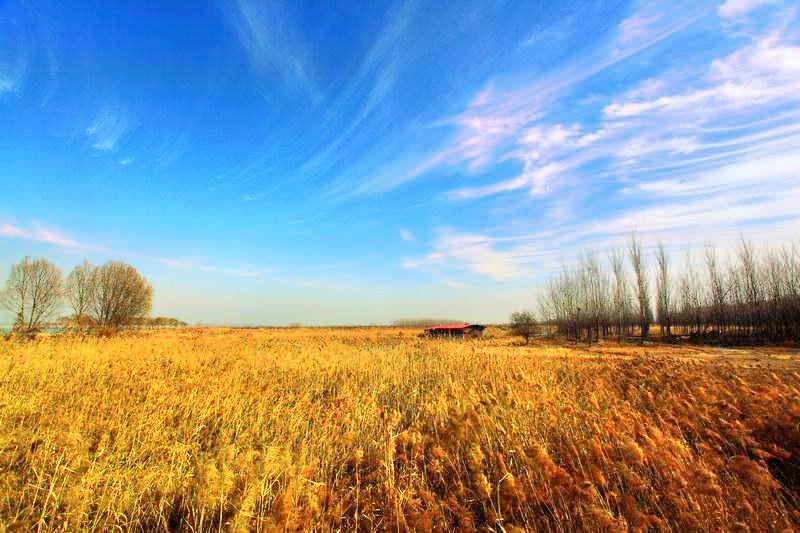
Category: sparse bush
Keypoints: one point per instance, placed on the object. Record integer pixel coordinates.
(523, 324)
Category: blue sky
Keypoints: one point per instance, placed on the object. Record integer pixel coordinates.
(355, 162)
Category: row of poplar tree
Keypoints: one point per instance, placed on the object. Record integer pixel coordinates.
(106, 296)
(752, 292)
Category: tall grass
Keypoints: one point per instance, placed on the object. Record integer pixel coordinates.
(377, 429)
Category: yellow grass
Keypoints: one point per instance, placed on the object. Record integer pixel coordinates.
(378, 429)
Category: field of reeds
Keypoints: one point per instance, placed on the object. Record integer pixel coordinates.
(375, 428)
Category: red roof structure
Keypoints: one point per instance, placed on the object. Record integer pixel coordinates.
(455, 330)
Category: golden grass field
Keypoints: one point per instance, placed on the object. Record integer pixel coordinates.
(375, 428)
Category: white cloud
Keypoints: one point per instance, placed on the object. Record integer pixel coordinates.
(540, 140)
(731, 9)
(13, 57)
(637, 26)
(453, 284)
(477, 254)
(489, 128)
(37, 233)
(759, 174)
(767, 59)
(272, 42)
(7, 83)
(655, 127)
(242, 273)
(764, 71)
(534, 178)
(40, 234)
(644, 145)
(480, 255)
(482, 135)
(705, 215)
(406, 236)
(108, 128)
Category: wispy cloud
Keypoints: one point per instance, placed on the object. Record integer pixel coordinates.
(10, 81)
(736, 8)
(453, 284)
(37, 232)
(406, 236)
(238, 272)
(657, 119)
(13, 60)
(110, 126)
(368, 88)
(490, 129)
(766, 71)
(273, 42)
(478, 254)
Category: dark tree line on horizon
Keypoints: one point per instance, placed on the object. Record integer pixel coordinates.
(753, 293)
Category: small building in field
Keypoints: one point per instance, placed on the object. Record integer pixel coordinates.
(466, 331)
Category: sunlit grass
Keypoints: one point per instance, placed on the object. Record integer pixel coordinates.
(376, 428)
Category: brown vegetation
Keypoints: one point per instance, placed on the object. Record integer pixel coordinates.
(378, 429)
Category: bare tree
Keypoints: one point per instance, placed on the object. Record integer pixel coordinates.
(690, 299)
(523, 323)
(639, 264)
(32, 293)
(716, 286)
(621, 296)
(595, 287)
(79, 292)
(663, 291)
(546, 310)
(749, 294)
(120, 294)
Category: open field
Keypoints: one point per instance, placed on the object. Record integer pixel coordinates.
(375, 428)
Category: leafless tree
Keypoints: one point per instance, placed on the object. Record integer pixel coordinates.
(595, 288)
(621, 291)
(717, 289)
(752, 293)
(639, 265)
(120, 294)
(79, 292)
(32, 293)
(663, 291)
(690, 299)
(546, 311)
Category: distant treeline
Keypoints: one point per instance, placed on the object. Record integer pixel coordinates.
(423, 322)
(752, 293)
(136, 322)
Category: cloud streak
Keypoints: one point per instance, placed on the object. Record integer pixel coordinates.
(108, 129)
(273, 44)
(477, 254)
(41, 234)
